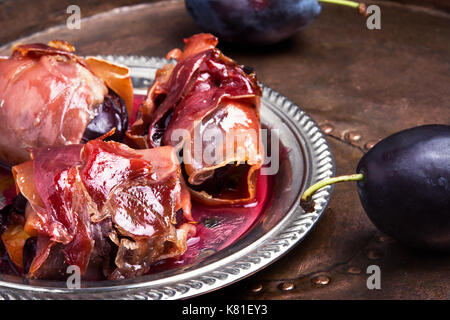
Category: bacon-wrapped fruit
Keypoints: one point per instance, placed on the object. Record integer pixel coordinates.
(51, 97)
(207, 106)
(103, 207)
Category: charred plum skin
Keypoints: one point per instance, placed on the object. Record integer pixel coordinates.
(112, 113)
(406, 188)
(253, 21)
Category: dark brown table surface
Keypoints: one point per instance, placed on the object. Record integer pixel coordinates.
(360, 85)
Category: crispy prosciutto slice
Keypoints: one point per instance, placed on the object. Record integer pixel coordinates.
(208, 106)
(51, 97)
(104, 206)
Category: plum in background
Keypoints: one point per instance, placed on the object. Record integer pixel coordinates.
(253, 21)
(257, 21)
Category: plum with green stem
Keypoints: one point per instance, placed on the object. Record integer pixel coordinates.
(258, 21)
(404, 186)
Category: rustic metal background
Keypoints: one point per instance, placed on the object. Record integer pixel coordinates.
(360, 85)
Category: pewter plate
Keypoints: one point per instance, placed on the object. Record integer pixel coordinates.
(305, 158)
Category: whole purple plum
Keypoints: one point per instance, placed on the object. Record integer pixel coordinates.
(253, 21)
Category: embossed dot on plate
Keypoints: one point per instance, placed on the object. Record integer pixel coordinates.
(327, 128)
(353, 136)
(354, 270)
(256, 287)
(321, 280)
(370, 144)
(286, 286)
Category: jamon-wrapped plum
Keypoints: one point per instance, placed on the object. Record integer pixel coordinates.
(51, 97)
(103, 207)
(207, 106)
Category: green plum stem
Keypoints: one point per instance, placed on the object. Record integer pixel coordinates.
(326, 182)
(353, 4)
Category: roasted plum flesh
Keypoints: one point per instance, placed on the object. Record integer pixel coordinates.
(112, 114)
(225, 182)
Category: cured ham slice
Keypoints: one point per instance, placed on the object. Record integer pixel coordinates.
(104, 206)
(208, 106)
(49, 96)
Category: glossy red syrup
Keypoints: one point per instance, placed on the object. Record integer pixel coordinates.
(218, 227)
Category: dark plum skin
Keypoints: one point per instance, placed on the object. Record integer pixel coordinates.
(406, 186)
(112, 113)
(29, 252)
(253, 21)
